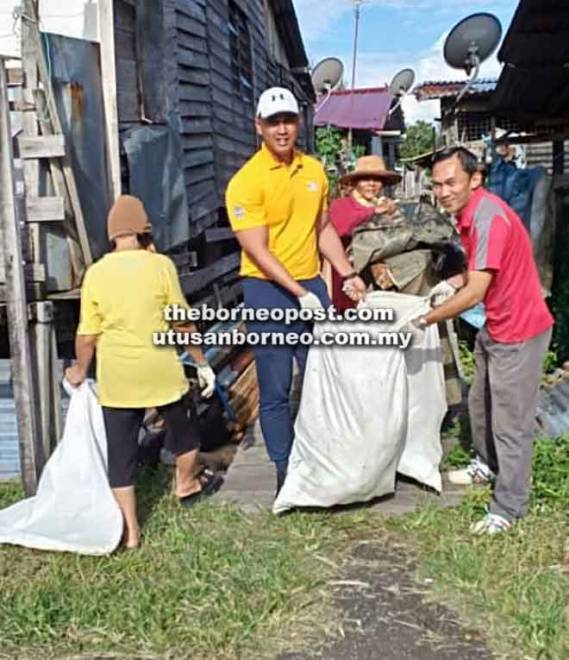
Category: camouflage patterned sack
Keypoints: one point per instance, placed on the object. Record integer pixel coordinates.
(411, 226)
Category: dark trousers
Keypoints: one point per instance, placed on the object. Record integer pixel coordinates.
(502, 406)
(122, 426)
(275, 363)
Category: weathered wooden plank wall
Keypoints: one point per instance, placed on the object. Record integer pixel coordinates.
(194, 110)
(213, 114)
(217, 57)
(125, 54)
(233, 114)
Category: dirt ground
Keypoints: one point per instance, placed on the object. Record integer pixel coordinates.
(385, 614)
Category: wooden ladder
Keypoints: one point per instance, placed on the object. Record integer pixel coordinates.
(29, 207)
(43, 140)
(32, 449)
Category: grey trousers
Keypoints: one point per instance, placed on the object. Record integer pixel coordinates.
(502, 404)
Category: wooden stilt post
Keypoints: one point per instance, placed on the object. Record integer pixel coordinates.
(109, 78)
(56, 376)
(31, 450)
(42, 348)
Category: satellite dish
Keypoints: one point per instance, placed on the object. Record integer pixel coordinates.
(400, 85)
(327, 75)
(470, 42)
(402, 82)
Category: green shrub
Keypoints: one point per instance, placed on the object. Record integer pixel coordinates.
(551, 472)
(550, 362)
(466, 361)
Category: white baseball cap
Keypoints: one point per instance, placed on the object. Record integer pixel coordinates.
(275, 100)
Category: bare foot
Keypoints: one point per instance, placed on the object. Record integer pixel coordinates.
(130, 539)
(185, 487)
(188, 488)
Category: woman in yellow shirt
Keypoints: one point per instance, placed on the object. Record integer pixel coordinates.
(123, 297)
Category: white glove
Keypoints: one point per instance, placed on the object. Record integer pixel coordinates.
(418, 323)
(206, 380)
(310, 301)
(411, 323)
(441, 293)
(415, 326)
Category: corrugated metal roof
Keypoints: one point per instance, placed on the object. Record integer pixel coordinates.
(9, 447)
(365, 109)
(436, 89)
(540, 154)
(538, 34)
(534, 81)
(9, 450)
(291, 37)
(289, 31)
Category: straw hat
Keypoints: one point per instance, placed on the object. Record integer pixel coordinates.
(371, 167)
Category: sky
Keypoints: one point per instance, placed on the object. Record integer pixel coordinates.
(74, 18)
(394, 34)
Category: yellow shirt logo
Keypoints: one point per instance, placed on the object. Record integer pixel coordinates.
(287, 201)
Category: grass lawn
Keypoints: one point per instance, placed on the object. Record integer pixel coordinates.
(215, 581)
(209, 580)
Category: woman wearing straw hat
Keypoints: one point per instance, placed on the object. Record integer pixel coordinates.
(364, 201)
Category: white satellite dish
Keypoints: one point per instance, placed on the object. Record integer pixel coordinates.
(470, 42)
(402, 82)
(400, 86)
(327, 75)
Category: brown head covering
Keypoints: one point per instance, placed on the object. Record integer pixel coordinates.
(371, 166)
(127, 216)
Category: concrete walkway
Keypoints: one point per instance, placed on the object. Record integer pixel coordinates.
(250, 484)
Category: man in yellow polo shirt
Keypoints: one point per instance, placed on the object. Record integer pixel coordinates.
(277, 206)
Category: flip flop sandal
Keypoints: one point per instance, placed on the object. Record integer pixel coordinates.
(210, 482)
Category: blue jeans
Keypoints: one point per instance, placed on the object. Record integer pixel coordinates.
(275, 363)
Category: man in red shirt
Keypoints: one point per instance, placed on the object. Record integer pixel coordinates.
(511, 346)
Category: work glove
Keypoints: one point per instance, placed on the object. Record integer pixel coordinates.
(441, 293)
(418, 323)
(411, 323)
(310, 301)
(416, 326)
(206, 380)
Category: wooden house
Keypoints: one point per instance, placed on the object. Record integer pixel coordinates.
(200, 67)
(152, 98)
(183, 81)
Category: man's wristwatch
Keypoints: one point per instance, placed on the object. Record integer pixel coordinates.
(350, 276)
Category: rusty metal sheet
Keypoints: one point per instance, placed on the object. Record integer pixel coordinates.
(75, 72)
